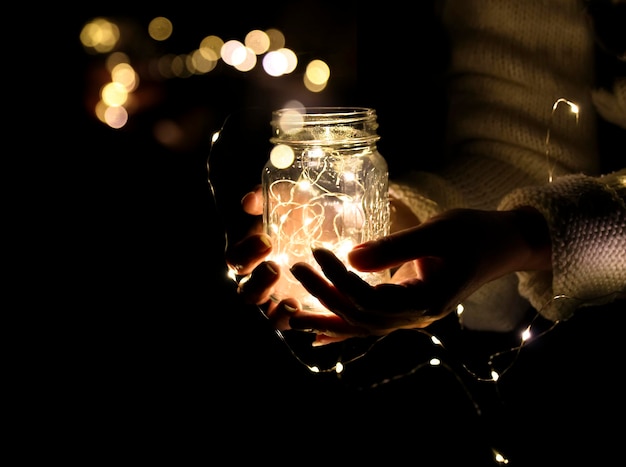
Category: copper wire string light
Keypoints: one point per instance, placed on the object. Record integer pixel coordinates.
(115, 106)
(324, 185)
(575, 110)
(497, 363)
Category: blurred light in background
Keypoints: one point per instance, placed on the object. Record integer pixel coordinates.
(316, 76)
(160, 28)
(100, 35)
(116, 104)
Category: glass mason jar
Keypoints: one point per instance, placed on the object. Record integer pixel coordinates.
(325, 185)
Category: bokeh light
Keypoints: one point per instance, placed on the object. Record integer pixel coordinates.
(100, 35)
(114, 94)
(277, 38)
(233, 52)
(118, 41)
(258, 41)
(249, 60)
(200, 62)
(124, 74)
(160, 28)
(317, 72)
(211, 47)
(275, 63)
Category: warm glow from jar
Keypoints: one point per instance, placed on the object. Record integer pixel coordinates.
(324, 186)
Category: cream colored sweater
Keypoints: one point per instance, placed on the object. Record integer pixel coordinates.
(516, 70)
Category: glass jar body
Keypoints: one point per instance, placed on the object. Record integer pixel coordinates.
(325, 185)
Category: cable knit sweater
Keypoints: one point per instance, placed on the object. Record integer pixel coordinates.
(516, 70)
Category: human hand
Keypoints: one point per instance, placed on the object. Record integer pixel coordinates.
(246, 257)
(439, 264)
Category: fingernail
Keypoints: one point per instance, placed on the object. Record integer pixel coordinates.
(243, 198)
(266, 241)
(296, 270)
(270, 268)
(321, 253)
(290, 309)
(359, 251)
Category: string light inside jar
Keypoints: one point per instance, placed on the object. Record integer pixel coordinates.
(325, 186)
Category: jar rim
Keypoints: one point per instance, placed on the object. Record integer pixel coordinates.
(328, 114)
(350, 126)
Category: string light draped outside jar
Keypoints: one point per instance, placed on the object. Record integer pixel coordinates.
(325, 185)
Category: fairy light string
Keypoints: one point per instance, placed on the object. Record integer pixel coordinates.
(322, 187)
(310, 203)
(574, 110)
(287, 201)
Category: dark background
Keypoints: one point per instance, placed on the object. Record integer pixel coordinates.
(148, 354)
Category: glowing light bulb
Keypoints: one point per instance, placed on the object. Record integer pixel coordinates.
(304, 185)
(499, 458)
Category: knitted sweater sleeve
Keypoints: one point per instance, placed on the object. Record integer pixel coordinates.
(515, 68)
(586, 217)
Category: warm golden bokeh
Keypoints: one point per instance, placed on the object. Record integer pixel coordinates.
(100, 35)
(160, 28)
(264, 48)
